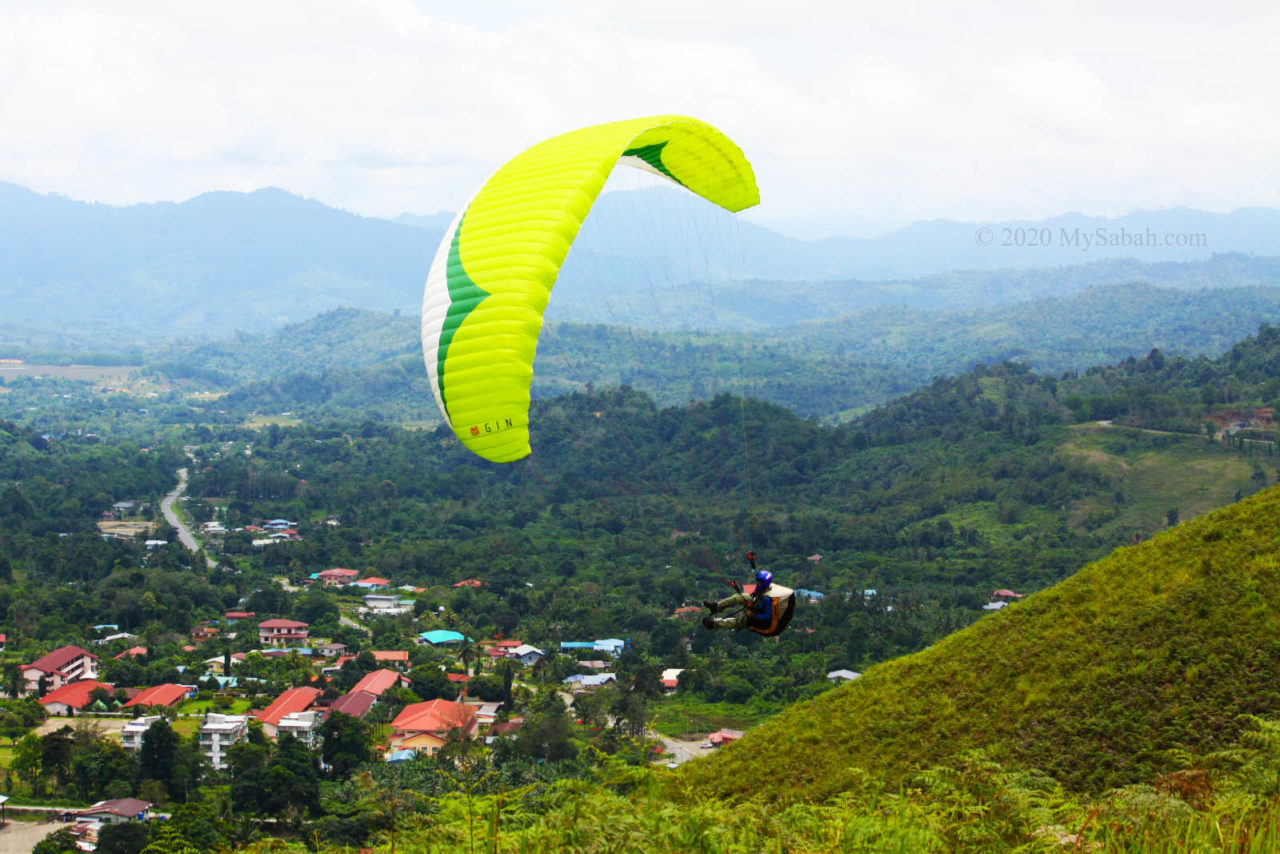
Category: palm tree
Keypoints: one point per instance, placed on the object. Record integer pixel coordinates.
(467, 652)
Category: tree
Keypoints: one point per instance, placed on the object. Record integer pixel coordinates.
(348, 743)
(545, 733)
(246, 766)
(429, 682)
(128, 837)
(158, 757)
(293, 778)
(26, 760)
(57, 842)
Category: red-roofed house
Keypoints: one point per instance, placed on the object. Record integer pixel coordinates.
(391, 656)
(280, 632)
(509, 643)
(69, 699)
(724, 736)
(162, 695)
(380, 680)
(236, 616)
(62, 666)
(436, 717)
(132, 652)
(457, 677)
(470, 582)
(354, 703)
(117, 811)
(336, 576)
(293, 700)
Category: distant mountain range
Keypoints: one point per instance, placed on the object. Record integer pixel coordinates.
(74, 274)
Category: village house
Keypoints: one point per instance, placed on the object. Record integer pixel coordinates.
(71, 698)
(386, 604)
(724, 736)
(440, 637)
(671, 678)
(62, 666)
(161, 695)
(278, 632)
(527, 655)
(354, 703)
(397, 658)
(203, 632)
(426, 727)
(336, 577)
(218, 733)
(90, 821)
(332, 649)
(579, 684)
(117, 811)
(126, 636)
(291, 701)
(371, 583)
(218, 665)
(377, 681)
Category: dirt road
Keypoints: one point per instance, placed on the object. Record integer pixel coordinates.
(19, 837)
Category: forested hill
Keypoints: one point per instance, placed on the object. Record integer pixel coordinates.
(1109, 678)
(365, 363)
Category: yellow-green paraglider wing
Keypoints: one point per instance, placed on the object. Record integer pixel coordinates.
(492, 275)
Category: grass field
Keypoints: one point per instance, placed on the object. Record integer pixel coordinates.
(257, 422)
(1156, 473)
(239, 706)
(686, 717)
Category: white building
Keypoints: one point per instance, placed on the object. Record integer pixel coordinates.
(218, 733)
(304, 726)
(63, 666)
(131, 735)
(528, 655)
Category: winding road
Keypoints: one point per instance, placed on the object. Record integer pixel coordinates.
(185, 535)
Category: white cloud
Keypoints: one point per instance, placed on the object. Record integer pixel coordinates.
(880, 115)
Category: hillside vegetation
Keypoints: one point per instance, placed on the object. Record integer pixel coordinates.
(1107, 679)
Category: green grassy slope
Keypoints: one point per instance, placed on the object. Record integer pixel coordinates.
(1097, 681)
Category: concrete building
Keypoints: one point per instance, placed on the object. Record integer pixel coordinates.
(304, 726)
(218, 733)
(131, 735)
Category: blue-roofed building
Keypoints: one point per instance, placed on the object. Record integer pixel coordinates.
(436, 637)
(398, 756)
(613, 646)
(578, 645)
(810, 595)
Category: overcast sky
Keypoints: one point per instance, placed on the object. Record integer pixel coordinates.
(857, 117)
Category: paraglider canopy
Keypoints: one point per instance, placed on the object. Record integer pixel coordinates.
(493, 272)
